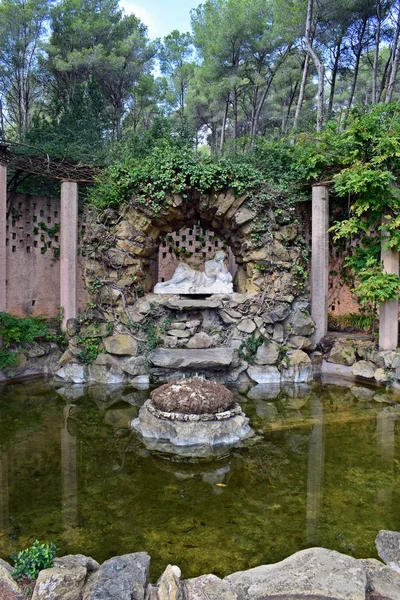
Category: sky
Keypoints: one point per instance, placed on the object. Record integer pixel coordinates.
(161, 16)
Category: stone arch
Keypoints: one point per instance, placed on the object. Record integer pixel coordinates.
(120, 249)
(222, 213)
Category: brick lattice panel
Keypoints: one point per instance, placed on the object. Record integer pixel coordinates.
(28, 224)
(192, 245)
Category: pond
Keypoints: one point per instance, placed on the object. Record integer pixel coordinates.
(323, 470)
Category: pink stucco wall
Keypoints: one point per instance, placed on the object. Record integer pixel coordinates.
(32, 263)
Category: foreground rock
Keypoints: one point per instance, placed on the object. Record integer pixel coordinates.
(381, 579)
(120, 578)
(388, 546)
(313, 573)
(209, 587)
(9, 588)
(61, 583)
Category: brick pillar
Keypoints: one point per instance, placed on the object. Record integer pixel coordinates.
(389, 311)
(68, 249)
(319, 259)
(3, 219)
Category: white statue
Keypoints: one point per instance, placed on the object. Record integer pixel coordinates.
(215, 279)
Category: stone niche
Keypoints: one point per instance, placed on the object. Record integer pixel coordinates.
(121, 249)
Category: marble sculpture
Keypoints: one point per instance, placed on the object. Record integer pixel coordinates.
(215, 279)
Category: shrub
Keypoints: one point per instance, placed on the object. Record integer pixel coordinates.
(29, 562)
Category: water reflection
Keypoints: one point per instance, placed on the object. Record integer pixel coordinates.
(315, 471)
(322, 470)
(69, 481)
(4, 511)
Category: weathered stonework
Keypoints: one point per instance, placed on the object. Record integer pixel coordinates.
(121, 250)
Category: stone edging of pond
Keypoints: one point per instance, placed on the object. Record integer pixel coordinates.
(314, 573)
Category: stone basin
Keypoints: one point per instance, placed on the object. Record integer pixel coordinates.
(173, 420)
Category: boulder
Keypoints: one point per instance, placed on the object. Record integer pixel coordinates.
(169, 584)
(199, 340)
(389, 357)
(209, 587)
(123, 577)
(178, 325)
(381, 579)
(71, 561)
(60, 583)
(73, 373)
(247, 326)
(136, 365)
(211, 358)
(264, 374)
(105, 374)
(363, 368)
(179, 333)
(313, 573)
(279, 333)
(298, 357)
(267, 354)
(300, 322)
(381, 376)
(227, 318)
(121, 343)
(388, 545)
(279, 313)
(8, 587)
(72, 327)
(342, 354)
(34, 350)
(6, 565)
(301, 342)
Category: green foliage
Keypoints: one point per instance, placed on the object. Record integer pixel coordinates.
(248, 348)
(7, 359)
(21, 330)
(90, 341)
(29, 562)
(376, 286)
(170, 170)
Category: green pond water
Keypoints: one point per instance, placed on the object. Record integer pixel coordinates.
(324, 469)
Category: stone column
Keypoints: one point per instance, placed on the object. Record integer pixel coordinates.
(389, 311)
(316, 467)
(68, 249)
(319, 259)
(3, 220)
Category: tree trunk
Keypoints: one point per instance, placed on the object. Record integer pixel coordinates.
(334, 75)
(395, 62)
(376, 54)
(318, 65)
(301, 92)
(356, 66)
(222, 140)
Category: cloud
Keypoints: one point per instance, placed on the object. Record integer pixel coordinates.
(143, 14)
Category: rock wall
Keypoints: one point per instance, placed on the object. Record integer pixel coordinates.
(314, 573)
(228, 338)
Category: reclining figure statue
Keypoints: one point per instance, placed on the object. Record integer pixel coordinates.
(215, 279)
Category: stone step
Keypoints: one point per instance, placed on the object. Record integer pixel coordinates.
(176, 358)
